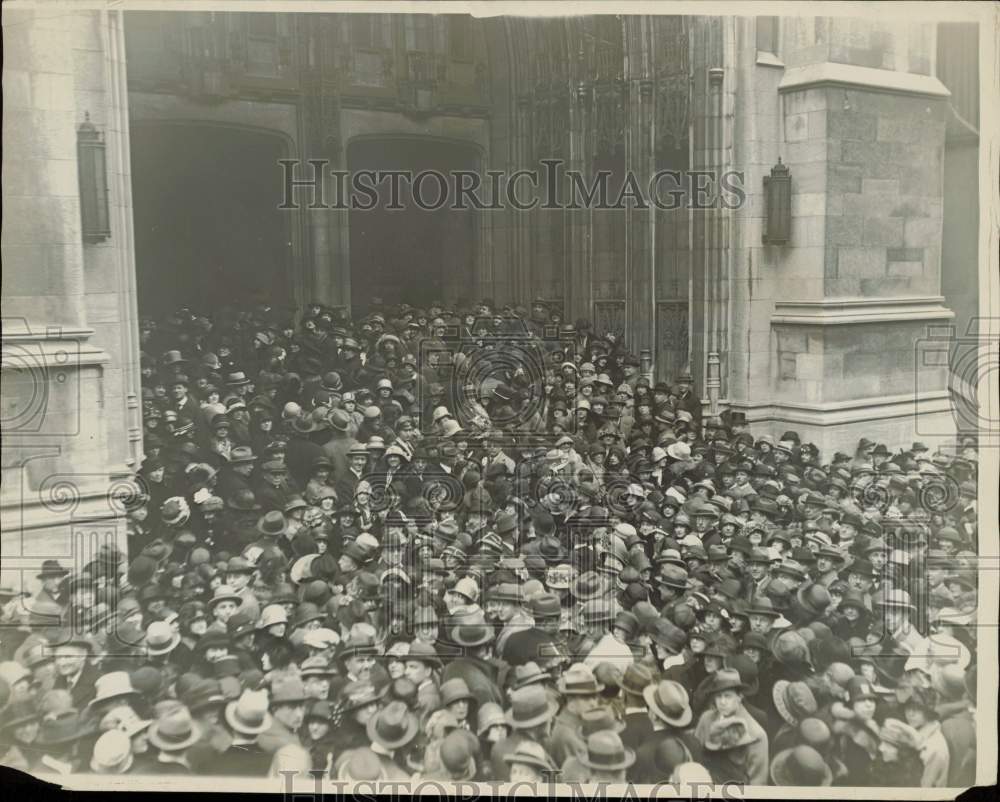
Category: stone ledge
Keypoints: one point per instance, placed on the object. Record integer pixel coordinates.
(767, 59)
(851, 311)
(54, 348)
(829, 73)
(838, 413)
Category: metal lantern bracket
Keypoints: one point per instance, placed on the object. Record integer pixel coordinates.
(93, 179)
(778, 199)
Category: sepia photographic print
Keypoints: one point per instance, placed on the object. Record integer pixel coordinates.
(592, 400)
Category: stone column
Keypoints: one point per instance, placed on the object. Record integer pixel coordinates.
(639, 222)
(846, 304)
(69, 411)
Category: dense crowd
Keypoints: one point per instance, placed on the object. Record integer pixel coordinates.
(482, 544)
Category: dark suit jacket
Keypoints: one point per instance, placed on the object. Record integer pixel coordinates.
(83, 691)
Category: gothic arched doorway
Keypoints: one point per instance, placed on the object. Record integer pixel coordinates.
(208, 230)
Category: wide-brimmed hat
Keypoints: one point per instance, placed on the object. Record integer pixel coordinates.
(723, 680)
(455, 690)
(161, 638)
(802, 766)
(529, 673)
(531, 754)
(113, 685)
(424, 652)
(112, 753)
(579, 680)
(794, 701)
(606, 751)
(203, 694)
(393, 726)
(669, 701)
(175, 731)
(272, 524)
(530, 706)
(51, 569)
(62, 728)
(224, 593)
(472, 634)
(287, 691)
(249, 715)
(898, 599)
(599, 720)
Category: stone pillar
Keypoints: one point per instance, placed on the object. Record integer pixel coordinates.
(69, 393)
(639, 222)
(857, 289)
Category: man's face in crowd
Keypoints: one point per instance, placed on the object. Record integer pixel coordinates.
(224, 610)
(359, 666)
(727, 702)
(417, 671)
(238, 581)
(317, 687)
(179, 391)
(70, 660)
(858, 581)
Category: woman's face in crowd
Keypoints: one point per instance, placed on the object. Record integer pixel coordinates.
(712, 663)
(26, 733)
(459, 709)
(915, 717)
(864, 708)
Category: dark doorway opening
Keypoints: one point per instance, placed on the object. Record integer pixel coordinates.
(208, 231)
(412, 255)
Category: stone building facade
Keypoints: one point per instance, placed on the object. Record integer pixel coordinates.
(877, 122)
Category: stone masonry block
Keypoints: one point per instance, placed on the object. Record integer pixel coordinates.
(791, 342)
(905, 254)
(797, 127)
(844, 230)
(883, 231)
(906, 269)
(885, 286)
(851, 125)
(861, 262)
(809, 367)
(921, 232)
(808, 204)
(879, 186)
(844, 178)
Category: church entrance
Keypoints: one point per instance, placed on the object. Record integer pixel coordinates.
(412, 255)
(208, 230)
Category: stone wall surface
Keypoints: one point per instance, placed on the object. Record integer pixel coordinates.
(70, 410)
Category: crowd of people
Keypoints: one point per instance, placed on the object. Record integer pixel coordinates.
(482, 544)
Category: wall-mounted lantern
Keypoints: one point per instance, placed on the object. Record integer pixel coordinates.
(93, 178)
(778, 196)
